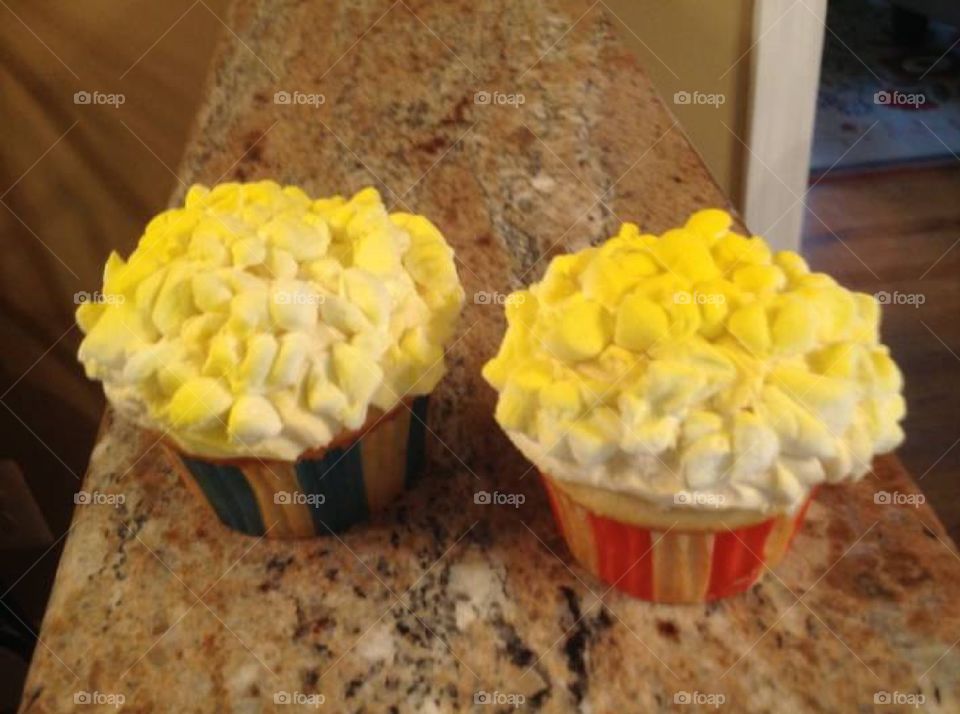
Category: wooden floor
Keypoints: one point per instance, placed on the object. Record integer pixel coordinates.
(899, 232)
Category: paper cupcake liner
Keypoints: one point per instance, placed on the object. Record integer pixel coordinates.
(671, 566)
(318, 495)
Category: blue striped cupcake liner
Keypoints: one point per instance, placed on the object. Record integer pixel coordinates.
(315, 496)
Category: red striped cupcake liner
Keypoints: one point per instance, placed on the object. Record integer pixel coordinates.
(673, 565)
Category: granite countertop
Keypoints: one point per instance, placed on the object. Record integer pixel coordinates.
(441, 599)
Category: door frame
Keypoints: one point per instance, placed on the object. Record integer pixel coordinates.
(788, 38)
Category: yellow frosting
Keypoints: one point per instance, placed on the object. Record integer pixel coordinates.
(698, 363)
(256, 321)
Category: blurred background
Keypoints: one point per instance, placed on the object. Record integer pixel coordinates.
(76, 181)
(870, 171)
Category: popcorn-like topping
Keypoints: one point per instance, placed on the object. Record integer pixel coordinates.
(255, 321)
(696, 363)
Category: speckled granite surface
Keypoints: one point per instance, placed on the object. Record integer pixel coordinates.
(441, 599)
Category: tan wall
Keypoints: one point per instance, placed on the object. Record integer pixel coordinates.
(75, 182)
(688, 45)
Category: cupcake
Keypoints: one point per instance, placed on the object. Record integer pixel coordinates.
(281, 347)
(683, 396)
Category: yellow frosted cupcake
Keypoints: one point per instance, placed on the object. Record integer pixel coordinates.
(683, 395)
(283, 346)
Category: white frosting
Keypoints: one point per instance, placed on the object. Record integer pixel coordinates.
(255, 321)
(696, 369)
